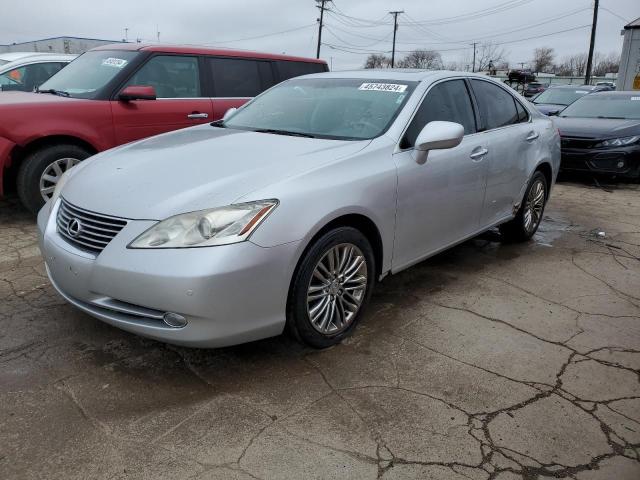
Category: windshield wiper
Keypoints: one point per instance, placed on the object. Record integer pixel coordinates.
(284, 132)
(611, 118)
(60, 93)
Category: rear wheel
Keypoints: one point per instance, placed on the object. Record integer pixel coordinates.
(527, 220)
(331, 287)
(41, 170)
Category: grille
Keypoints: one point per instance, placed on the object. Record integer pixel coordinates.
(87, 230)
(578, 142)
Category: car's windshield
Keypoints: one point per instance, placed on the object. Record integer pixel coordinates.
(334, 108)
(601, 105)
(2, 62)
(89, 72)
(560, 96)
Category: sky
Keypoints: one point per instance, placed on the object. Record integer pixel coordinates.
(354, 28)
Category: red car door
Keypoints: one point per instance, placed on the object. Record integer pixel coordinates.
(237, 80)
(179, 103)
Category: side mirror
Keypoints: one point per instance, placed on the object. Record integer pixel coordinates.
(439, 136)
(228, 113)
(137, 92)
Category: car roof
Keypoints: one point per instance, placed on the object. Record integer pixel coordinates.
(15, 56)
(406, 74)
(36, 58)
(575, 87)
(202, 50)
(618, 93)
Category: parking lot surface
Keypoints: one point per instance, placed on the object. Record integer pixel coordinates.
(488, 361)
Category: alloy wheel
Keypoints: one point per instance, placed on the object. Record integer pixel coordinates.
(337, 289)
(51, 175)
(534, 206)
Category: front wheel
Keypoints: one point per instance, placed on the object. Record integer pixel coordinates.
(527, 220)
(331, 287)
(41, 170)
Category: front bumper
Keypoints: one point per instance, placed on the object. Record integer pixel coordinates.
(228, 294)
(623, 162)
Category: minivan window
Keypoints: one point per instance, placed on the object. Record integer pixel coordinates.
(497, 106)
(83, 77)
(240, 77)
(172, 76)
(290, 69)
(447, 101)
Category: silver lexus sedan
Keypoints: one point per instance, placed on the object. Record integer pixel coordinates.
(285, 213)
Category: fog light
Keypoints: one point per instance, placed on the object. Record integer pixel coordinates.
(174, 320)
(620, 164)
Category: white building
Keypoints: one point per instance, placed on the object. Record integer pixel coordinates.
(57, 45)
(629, 73)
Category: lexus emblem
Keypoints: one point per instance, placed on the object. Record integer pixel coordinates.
(74, 228)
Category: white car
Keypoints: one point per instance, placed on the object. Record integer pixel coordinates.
(26, 71)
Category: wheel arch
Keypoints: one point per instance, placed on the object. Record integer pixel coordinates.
(547, 171)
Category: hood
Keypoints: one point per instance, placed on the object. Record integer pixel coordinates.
(596, 128)
(549, 108)
(193, 169)
(11, 99)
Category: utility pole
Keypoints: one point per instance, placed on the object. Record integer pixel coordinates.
(322, 8)
(474, 56)
(126, 34)
(587, 78)
(395, 29)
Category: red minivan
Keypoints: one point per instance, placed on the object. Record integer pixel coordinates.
(118, 93)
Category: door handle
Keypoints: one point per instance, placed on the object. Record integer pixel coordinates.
(196, 115)
(478, 154)
(532, 136)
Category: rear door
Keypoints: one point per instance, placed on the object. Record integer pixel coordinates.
(440, 202)
(179, 104)
(234, 81)
(512, 141)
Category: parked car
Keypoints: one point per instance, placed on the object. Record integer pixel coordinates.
(534, 88)
(557, 97)
(288, 211)
(521, 76)
(601, 133)
(107, 97)
(27, 71)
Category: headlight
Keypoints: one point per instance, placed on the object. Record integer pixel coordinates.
(619, 142)
(205, 228)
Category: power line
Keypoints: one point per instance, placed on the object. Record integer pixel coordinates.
(626, 20)
(378, 41)
(263, 36)
(503, 7)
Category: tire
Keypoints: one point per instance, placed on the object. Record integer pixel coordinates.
(336, 305)
(520, 229)
(36, 163)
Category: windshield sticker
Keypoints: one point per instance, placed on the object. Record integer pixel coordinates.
(114, 62)
(635, 98)
(383, 87)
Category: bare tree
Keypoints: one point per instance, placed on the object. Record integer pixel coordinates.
(489, 53)
(573, 65)
(542, 59)
(377, 61)
(606, 64)
(425, 59)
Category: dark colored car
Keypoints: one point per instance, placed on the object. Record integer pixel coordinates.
(556, 98)
(534, 88)
(119, 93)
(521, 76)
(601, 133)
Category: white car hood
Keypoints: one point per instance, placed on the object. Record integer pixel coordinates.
(193, 169)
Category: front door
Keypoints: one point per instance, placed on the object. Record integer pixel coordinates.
(439, 202)
(179, 103)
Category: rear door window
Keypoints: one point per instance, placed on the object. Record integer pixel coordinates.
(523, 115)
(497, 106)
(240, 77)
(290, 69)
(172, 76)
(447, 101)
